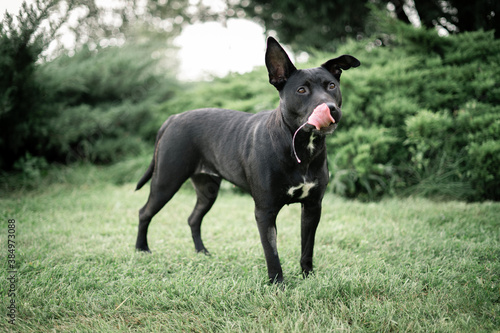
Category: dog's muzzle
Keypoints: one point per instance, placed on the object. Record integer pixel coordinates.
(324, 115)
(335, 112)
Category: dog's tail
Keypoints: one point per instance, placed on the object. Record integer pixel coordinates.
(149, 172)
(147, 176)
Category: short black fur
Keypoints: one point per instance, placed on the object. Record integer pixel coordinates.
(254, 152)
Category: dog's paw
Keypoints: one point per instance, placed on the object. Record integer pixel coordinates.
(306, 274)
(204, 251)
(143, 250)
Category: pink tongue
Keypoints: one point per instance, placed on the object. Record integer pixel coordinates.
(321, 117)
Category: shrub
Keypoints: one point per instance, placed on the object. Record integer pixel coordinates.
(362, 161)
(438, 96)
(20, 47)
(483, 170)
(418, 115)
(97, 105)
(248, 92)
(101, 105)
(428, 135)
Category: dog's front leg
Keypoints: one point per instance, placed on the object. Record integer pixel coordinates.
(311, 213)
(266, 222)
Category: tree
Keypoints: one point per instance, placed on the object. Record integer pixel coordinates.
(310, 23)
(322, 24)
(460, 15)
(22, 41)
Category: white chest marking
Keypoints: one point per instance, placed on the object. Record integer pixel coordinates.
(305, 187)
(310, 146)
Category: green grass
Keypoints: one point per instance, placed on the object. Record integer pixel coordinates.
(397, 265)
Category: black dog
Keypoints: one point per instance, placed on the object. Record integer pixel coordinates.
(278, 156)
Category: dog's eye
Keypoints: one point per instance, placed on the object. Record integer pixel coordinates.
(331, 86)
(301, 90)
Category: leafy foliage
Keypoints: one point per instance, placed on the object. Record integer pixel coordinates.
(304, 23)
(248, 92)
(23, 39)
(20, 47)
(420, 115)
(361, 161)
(438, 100)
(101, 103)
(96, 105)
(323, 24)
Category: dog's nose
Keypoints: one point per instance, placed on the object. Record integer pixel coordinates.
(335, 111)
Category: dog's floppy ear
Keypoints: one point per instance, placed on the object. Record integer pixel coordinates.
(278, 64)
(335, 66)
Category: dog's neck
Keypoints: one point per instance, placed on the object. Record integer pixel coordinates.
(308, 145)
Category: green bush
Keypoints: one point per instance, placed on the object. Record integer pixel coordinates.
(101, 105)
(420, 116)
(439, 97)
(20, 47)
(362, 162)
(250, 92)
(428, 134)
(483, 170)
(31, 168)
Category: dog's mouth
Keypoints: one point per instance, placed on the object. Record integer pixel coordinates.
(321, 117)
(326, 130)
(322, 120)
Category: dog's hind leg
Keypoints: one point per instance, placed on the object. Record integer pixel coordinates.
(207, 188)
(163, 188)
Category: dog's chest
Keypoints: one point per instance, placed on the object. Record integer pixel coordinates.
(310, 146)
(302, 190)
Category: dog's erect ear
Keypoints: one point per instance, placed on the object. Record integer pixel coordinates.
(335, 66)
(278, 64)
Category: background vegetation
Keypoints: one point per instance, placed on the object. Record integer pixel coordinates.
(421, 114)
(326, 24)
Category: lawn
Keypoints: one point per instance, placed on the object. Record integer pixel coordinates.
(397, 265)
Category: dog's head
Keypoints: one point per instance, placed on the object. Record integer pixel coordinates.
(303, 92)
